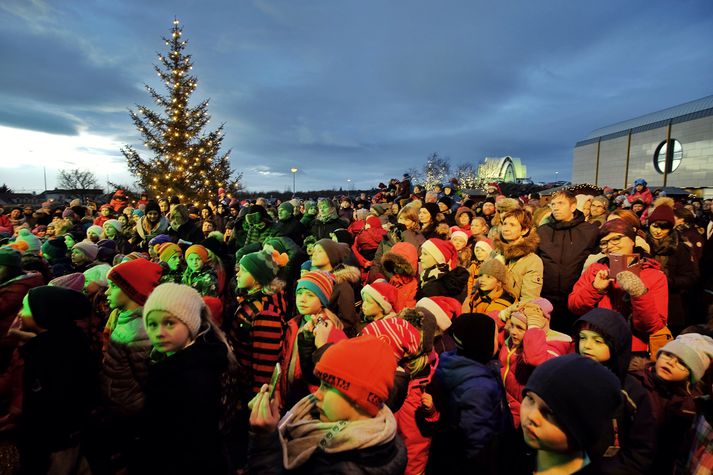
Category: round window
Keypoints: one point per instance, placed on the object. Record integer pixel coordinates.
(668, 161)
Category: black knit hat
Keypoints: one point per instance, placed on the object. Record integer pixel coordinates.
(584, 397)
(54, 248)
(432, 209)
(54, 307)
(152, 206)
(474, 334)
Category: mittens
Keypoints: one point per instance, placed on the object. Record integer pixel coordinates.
(533, 314)
(631, 283)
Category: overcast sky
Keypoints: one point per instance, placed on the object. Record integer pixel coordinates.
(344, 90)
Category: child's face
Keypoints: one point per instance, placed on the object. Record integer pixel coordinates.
(174, 261)
(370, 308)
(427, 260)
(28, 322)
(516, 328)
(486, 283)
(69, 241)
(167, 333)
(458, 242)
(539, 427)
(592, 345)
(194, 262)
(481, 254)
(110, 231)
(319, 257)
(463, 220)
(115, 296)
(333, 406)
(310, 249)
(669, 368)
(245, 279)
(78, 257)
(92, 236)
(307, 302)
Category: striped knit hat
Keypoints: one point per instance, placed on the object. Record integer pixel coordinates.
(403, 338)
(263, 265)
(166, 251)
(318, 282)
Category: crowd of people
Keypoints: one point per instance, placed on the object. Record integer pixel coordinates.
(409, 330)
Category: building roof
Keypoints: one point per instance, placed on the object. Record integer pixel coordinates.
(681, 113)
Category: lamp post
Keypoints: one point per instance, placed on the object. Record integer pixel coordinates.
(294, 175)
(556, 173)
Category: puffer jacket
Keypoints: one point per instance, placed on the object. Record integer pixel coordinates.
(517, 364)
(343, 296)
(125, 369)
(646, 314)
(524, 266)
(401, 263)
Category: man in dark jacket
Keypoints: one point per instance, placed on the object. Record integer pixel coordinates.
(182, 228)
(288, 225)
(566, 240)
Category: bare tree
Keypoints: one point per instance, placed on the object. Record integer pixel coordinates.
(76, 179)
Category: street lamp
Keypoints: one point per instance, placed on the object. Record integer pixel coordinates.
(556, 173)
(349, 184)
(294, 175)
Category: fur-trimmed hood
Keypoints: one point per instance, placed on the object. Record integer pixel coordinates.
(401, 259)
(344, 273)
(519, 249)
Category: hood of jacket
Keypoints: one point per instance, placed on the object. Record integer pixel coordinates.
(345, 273)
(455, 370)
(614, 328)
(512, 251)
(402, 259)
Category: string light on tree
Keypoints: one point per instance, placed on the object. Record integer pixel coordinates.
(174, 135)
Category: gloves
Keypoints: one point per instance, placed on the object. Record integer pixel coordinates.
(631, 283)
(533, 314)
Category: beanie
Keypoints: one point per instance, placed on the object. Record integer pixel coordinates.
(287, 206)
(181, 301)
(136, 278)
(663, 213)
(485, 244)
(152, 206)
(544, 304)
(474, 335)
(444, 309)
(114, 223)
(89, 249)
(34, 244)
(583, 395)
(694, 350)
(362, 369)
(384, 294)
(198, 249)
(98, 275)
(494, 268)
(402, 337)
(166, 251)
(74, 281)
(54, 248)
(459, 234)
(639, 181)
(601, 199)
(618, 226)
(263, 265)
(442, 251)
(432, 209)
(160, 239)
(94, 229)
(336, 251)
(107, 250)
(45, 300)
(318, 282)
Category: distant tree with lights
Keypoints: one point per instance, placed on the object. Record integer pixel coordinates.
(186, 159)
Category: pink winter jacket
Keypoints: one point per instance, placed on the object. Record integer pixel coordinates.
(517, 364)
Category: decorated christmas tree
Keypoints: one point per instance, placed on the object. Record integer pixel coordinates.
(186, 161)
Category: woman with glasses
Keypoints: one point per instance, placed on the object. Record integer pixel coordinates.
(674, 256)
(640, 293)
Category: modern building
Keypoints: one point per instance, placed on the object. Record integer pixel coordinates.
(506, 169)
(671, 147)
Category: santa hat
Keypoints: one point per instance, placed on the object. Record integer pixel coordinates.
(444, 309)
(383, 294)
(458, 233)
(485, 244)
(442, 251)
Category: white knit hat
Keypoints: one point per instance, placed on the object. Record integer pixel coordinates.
(182, 301)
(694, 350)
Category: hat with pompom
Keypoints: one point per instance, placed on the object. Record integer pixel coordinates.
(263, 265)
(34, 244)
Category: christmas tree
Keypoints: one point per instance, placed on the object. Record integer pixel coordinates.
(186, 159)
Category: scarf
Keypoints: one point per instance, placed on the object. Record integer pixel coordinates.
(302, 433)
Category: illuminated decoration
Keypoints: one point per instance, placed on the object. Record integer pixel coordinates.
(186, 159)
(501, 169)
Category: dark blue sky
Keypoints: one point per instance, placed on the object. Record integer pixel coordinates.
(358, 90)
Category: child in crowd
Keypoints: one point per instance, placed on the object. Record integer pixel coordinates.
(567, 409)
(401, 264)
(344, 427)
(459, 239)
(530, 343)
(672, 383)
(379, 300)
(170, 257)
(183, 390)
(490, 294)
(199, 274)
(59, 381)
(465, 408)
(83, 255)
(604, 336)
(440, 273)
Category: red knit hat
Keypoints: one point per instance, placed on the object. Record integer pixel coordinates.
(663, 213)
(403, 338)
(136, 278)
(215, 305)
(383, 294)
(444, 309)
(362, 369)
(442, 251)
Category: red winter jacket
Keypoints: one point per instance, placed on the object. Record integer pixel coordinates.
(517, 364)
(647, 314)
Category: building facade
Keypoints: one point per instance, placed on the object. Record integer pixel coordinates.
(506, 169)
(671, 147)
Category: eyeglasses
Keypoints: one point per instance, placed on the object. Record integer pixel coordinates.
(613, 240)
(674, 360)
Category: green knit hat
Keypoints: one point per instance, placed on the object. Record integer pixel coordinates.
(263, 266)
